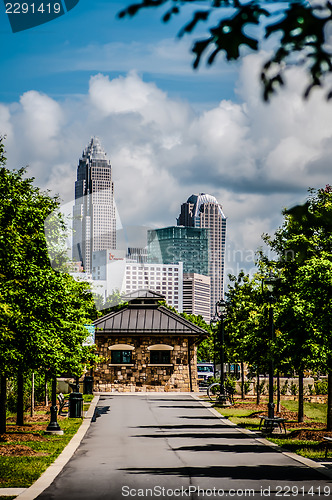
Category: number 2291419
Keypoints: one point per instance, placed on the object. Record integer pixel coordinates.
(33, 8)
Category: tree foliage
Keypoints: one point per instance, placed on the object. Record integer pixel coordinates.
(302, 27)
(42, 312)
(246, 327)
(304, 248)
(205, 349)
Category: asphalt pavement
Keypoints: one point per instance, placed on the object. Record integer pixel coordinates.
(172, 446)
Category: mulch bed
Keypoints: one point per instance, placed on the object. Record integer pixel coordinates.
(27, 427)
(40, 417)
(250, 406)
(20, 436)
(11, 442)
(309, 434)
(17, 450)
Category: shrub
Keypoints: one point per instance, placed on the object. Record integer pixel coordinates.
(247, 386)
(230, 384)
(39, 391)
(294, 389)
(261, 388)
(285, 388)
(311, 389)
(321, 386)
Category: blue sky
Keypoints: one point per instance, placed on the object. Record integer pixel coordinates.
(58, 57)
(169, 131)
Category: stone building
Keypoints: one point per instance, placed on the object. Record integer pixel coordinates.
(146, 347)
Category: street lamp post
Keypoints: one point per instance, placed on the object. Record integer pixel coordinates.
(53, 427)
(221, 313)
(271, 283)
(213, 323)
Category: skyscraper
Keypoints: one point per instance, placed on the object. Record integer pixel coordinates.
(94, 221)
(170, 245)
(204, 211)
(197, 295)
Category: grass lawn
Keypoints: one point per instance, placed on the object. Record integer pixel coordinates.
(304, 439)
(26, 452)
(315, 411)
(29, 456)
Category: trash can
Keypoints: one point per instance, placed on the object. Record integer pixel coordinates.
(75, 405)
(87, 384)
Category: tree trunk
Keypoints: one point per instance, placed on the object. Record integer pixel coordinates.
(46, 392)
(3, 403)
(257, 389)
(32, 411)
(300, 415)
(329, 403)
(19, 402)
(242, 381)
(77, 379)
(278, 392)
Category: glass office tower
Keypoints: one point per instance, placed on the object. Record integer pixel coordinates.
(170, 245)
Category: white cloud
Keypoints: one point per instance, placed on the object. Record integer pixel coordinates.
(40, 121)
(5, 122)
(255, 158)
(131, 95)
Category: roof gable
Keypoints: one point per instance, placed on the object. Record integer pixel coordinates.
(144, 321)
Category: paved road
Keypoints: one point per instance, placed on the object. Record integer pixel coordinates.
(171, 446)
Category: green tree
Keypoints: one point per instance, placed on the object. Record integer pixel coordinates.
(246, 327)
(113, 302)
(302, 27)
(42, 312)
(205, 350)
(303, 245)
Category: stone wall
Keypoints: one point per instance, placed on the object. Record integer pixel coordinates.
(140, 375)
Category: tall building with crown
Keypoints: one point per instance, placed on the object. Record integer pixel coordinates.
(204, 211)
(94, 221)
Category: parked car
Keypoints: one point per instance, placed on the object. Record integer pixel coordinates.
(204, 372)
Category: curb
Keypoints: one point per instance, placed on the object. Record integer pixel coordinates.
(11, 492)
(303, 460)
(56, 467)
